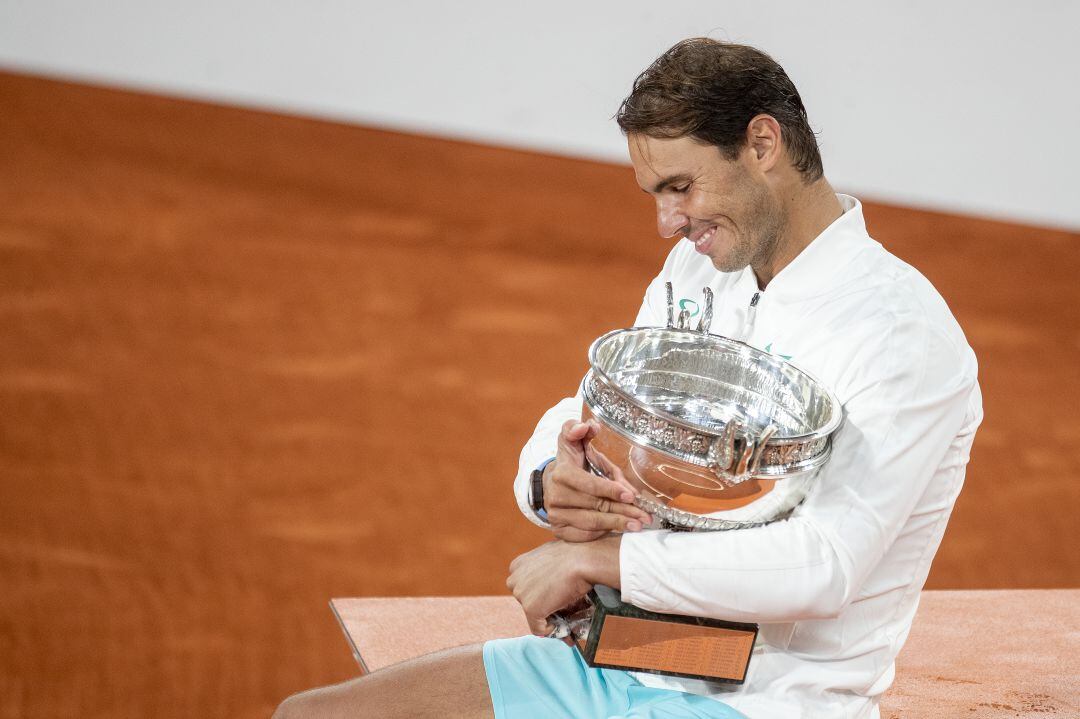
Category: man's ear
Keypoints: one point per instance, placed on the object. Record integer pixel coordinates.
(764, 139)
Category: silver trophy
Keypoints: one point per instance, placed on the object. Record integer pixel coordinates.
(715, 435)
(706, 427)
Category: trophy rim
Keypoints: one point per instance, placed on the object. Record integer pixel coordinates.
(709, 435)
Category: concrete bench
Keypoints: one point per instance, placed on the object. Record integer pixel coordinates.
(971, 654)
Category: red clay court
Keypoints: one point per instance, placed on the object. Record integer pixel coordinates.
(250, 362)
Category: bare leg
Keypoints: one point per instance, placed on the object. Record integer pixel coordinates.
(448, 685)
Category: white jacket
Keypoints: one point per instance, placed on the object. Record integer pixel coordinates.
(835, 587)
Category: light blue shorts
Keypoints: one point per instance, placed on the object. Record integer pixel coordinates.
(531, 677)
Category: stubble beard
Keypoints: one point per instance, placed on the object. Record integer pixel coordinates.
(765, 224)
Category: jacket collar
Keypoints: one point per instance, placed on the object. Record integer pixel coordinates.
(823, 263)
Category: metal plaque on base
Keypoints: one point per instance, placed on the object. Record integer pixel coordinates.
(622, 636)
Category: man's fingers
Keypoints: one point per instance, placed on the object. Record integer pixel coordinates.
(540, 627)
(571, 487)
(600, 487)
(574, 437)
(629, 511)
(573, 432)
(593, 520)
(565, 497)
(593, 429)
(608, 468)
(579, 490)
(571, 499)
(573, 534)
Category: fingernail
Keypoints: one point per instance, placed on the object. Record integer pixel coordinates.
(633, 526)
(627, 497)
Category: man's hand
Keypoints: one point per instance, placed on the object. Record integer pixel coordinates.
(581, 506)
(558, 574)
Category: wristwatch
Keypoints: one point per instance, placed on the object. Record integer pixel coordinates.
(536, 495)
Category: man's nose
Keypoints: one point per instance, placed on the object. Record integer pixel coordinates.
(670, 217)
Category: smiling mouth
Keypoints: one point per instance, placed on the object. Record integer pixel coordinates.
(703, 241)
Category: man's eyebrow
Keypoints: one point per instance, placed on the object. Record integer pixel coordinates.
(666, 183)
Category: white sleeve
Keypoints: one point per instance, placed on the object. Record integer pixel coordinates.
(540, 448)
(907, 397)
(541, 445)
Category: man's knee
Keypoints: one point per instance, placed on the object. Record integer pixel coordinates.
(306, 705)
(403, 690)
(286, 710)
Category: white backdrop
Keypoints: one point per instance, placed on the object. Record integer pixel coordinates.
(965, 106)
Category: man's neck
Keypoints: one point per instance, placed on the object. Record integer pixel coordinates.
(809, 210)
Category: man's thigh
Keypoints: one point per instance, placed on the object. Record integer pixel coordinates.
(448, 685)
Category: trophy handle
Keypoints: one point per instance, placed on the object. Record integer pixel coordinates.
(706, 315)
(572, 623)
(683, 320)
(722, 453)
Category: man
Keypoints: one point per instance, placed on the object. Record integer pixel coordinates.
(719, 137)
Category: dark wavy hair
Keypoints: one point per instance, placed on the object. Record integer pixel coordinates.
(710, 90)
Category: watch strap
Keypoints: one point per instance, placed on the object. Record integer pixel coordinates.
(536, 495)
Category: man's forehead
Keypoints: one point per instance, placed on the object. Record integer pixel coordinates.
(657, 160)
(643, 149)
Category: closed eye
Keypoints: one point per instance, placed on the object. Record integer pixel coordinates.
(678, 183)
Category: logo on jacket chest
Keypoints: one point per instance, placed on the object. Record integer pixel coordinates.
(690, 306)
(694, 309)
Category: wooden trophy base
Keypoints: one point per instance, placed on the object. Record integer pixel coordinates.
(622, 636)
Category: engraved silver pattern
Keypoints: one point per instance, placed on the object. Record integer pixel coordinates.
(695, 522)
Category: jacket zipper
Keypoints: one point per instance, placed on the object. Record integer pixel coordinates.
(751, 314)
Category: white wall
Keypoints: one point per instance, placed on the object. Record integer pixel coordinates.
(966, 106)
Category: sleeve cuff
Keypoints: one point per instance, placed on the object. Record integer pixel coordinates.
(635, 585)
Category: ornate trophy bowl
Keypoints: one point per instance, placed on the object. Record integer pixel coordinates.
(715, 434)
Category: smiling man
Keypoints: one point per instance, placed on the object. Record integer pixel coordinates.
(718, 135)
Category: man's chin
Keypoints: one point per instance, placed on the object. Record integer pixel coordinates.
(728, 264)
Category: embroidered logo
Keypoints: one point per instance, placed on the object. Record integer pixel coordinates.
(690, 306)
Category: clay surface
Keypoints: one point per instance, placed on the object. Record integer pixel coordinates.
(250, 362)
(978, 654)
